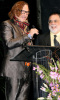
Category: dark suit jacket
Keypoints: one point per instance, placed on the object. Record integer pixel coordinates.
(43, 39)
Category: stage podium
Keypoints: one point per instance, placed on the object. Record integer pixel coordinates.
(39, 55)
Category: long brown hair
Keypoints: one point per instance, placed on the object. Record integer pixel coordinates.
(16, 9)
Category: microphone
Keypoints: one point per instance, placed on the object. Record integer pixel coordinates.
(33, 26)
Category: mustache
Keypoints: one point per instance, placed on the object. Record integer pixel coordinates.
(52, 25)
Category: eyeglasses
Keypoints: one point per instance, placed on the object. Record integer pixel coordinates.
(51, 21)
(23, 12)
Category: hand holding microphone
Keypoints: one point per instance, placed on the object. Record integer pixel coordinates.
(33, 31)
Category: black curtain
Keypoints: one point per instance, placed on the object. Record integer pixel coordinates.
(48, 6)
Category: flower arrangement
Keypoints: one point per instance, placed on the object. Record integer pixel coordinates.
(51, 77)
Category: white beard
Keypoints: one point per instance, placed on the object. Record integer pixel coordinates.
(55, 30)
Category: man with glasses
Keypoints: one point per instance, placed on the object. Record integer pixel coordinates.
(49, 39)
(52, 38)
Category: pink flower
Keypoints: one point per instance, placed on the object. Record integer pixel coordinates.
(57, 90)
(38, 68)
(58, 97)
(49, 94)
(57, 85)
(41, 76)
(54, 93)
(34, 68)
(51, 84)
(40, 71)
(52, 68)
(56, 68)
(49, 97)
(53, 75)
(59, 78)
(52, 88)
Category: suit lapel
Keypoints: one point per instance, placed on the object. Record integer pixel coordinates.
(48, 40)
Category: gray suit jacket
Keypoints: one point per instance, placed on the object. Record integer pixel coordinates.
(13, 36)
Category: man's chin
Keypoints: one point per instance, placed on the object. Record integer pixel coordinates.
(53, 31)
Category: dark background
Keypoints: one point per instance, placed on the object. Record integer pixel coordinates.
(47, 7)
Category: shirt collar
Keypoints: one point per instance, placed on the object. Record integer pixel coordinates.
(55, 34)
